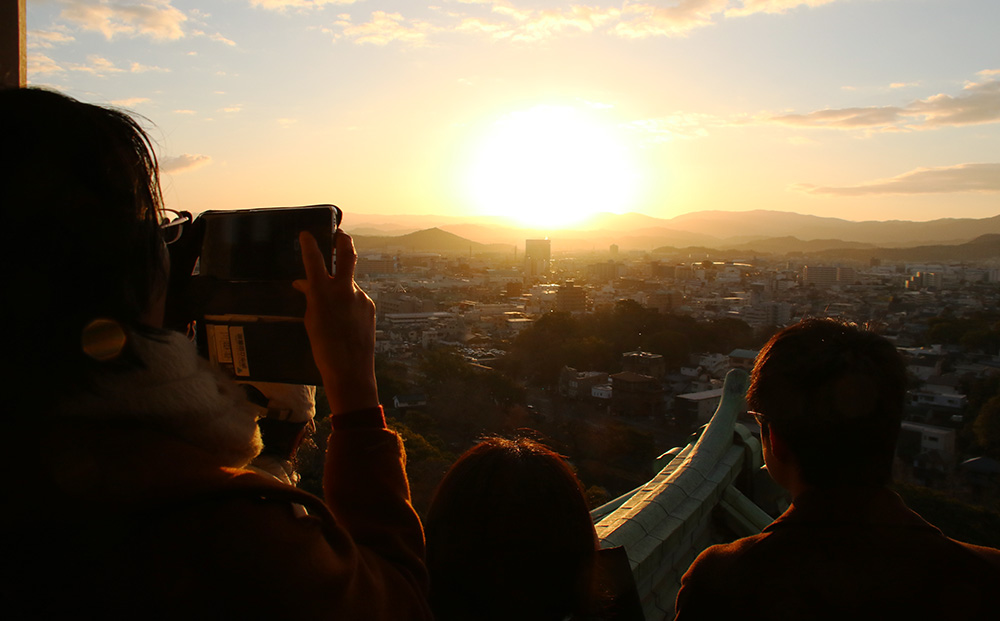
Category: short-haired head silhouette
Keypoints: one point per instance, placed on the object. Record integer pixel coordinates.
(509, 536)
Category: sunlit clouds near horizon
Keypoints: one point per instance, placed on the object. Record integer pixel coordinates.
(549, 111)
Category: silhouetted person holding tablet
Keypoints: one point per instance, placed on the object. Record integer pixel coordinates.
(829, 398)
(127, 493)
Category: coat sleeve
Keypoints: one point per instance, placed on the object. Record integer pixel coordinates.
(698, 597)
(367, 491)
(254, 556)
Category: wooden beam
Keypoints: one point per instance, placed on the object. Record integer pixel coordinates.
(13, 44)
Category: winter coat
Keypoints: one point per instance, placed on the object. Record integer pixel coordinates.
(851, 553)
(134, 501)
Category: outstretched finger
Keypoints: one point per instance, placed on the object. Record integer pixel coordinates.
(347, 257)
(312, 258)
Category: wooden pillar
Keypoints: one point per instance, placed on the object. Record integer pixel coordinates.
(13, 44)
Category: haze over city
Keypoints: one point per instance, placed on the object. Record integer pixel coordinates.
(546, 112)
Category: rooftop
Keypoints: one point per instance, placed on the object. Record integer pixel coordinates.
(710, 491)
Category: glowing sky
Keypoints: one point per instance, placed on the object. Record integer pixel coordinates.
(859, 109)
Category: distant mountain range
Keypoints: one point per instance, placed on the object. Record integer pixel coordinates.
(428, 240)
(759, 232)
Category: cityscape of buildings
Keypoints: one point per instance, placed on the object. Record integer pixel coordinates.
(479, 304)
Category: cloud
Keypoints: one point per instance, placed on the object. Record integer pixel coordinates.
(385, 28)
(97, 66)
(750, 7)
(156, 19)
(539, 25)
(232, 109)
(960, 178)
(221, 39)
(502, 20)
(40, 63)
(183, 163)
(48, 39)
(189, 112)
(281, 5)
(640, 21)
(844, 117)
(286, 123)
(977, 103)
(130, 102)
(140, 68)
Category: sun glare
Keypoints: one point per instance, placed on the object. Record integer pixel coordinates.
(551, 166)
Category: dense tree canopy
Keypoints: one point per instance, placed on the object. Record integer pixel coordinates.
(978, 332)
(596, 342)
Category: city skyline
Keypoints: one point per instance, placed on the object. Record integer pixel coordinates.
(548, 111)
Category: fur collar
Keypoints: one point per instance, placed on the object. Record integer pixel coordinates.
(178, 393)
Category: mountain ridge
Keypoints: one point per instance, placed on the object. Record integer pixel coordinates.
(712, 229)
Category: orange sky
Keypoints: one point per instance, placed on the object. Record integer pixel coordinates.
(547, 111)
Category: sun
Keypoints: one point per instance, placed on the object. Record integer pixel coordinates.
(550, 167)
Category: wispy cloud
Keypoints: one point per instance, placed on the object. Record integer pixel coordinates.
(140, 68)
(640, 21)
(232, 109)
(844, 117)
(48, 39)
(282, 5)
(221, 39)
(505, 20)
(384, 28)
(129, 102)
(156, 19)
(977, 103)
(39, 64)
(961, 178)
(749, 7)
(509, 23)
(287, 122)
(96, 66)
(183, 162)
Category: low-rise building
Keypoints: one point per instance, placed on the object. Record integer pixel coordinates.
(578, 384)
(635, 394)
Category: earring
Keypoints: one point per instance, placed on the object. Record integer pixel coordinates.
(103, 339)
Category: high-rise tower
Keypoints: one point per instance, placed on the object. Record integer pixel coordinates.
(537, 256)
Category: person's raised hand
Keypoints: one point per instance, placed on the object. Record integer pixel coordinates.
(340, 321)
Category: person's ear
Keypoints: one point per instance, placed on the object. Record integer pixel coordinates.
(778, 446)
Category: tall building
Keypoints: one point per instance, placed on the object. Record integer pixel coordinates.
(819, 275)
(537, 256)
(828, 276)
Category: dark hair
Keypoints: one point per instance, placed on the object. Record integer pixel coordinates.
(509, 536)
(81, 204)
(834, 392)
